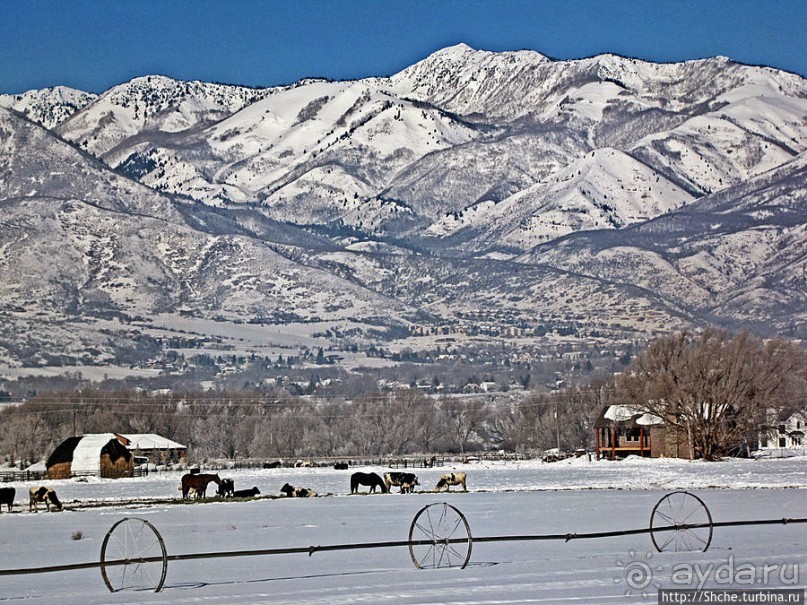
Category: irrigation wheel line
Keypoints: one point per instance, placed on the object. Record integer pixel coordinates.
(690, 518)
(440, 537)
(133, 556)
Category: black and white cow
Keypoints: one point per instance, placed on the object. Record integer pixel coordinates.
(297, 492)
(227, 488)
(406, 481)
(449, 479)
(43, 494)
(7, 497)
(246, 493)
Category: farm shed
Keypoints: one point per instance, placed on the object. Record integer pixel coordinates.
(102, 455)
(158, 449)
(622, 431)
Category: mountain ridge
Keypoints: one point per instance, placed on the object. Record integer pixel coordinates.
(465, 195)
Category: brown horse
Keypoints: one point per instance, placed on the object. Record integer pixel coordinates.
(197, 483)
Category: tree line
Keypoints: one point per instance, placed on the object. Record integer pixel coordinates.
(254, 425)
(716, 388)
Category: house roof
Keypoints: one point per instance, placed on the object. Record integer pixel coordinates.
(628, 416)
(151, 441)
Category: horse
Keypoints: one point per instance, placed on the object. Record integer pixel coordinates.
(297, 492)
(406, 481)
(246, 493)
(198, 483)
(450, 479)
(43, 494)
(226, 488)
(372, 480)
(7, 497)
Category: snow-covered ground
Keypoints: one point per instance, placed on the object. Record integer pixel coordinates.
(522, 498)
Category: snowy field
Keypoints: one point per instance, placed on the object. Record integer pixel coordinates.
(525, 498)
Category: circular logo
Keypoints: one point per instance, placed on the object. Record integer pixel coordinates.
(637, 574)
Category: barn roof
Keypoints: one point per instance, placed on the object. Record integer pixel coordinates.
(151, 441)
(64, 452)
(87, 454)
(84, 452)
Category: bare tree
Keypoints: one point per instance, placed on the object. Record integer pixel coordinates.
(463, 419)
(714, 388)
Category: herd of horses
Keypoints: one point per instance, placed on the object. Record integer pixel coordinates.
(194, 486)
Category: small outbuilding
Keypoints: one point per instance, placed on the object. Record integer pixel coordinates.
(99, 455)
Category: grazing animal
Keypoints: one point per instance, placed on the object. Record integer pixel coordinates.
(198, 483)
(340, 466)
(369, 479)
(406, 481)
(43, 494)
(246, 493)
(7, 497)
(297, 492)
(449, 479)
(226, 488)
(274, 464)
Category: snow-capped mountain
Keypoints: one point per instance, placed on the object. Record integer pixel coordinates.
(154, 104)
(736, 256)
(458, 130)
(622, 195)
(605, 189)
(87, 254)
(50, 106)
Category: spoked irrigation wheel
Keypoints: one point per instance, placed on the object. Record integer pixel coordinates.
(440, 537)
(133, 556)
(681, 522)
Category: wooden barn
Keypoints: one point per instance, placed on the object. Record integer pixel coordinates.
(100, 455)
(622, 431)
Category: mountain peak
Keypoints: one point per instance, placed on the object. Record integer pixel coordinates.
(456, 49)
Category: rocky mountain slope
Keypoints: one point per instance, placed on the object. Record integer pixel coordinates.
(479, 194)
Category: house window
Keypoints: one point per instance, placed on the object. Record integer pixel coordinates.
(632, 435)
(782, 442)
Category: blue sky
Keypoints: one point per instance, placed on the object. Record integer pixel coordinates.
(95, 44)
